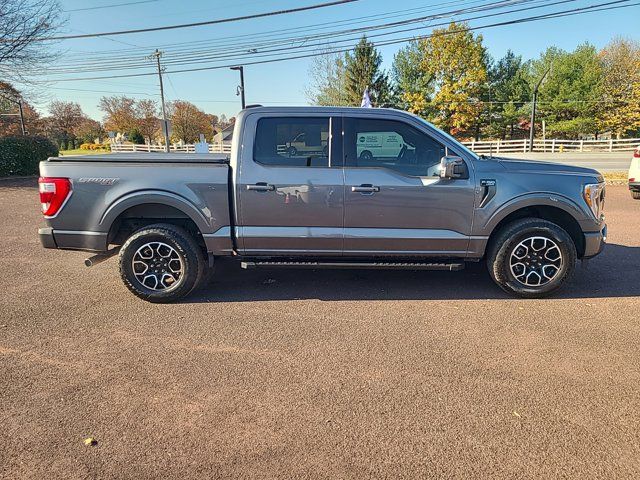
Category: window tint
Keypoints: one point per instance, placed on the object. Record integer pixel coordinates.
(295, 142)
(392, 144)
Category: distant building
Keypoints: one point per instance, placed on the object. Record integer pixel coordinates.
(224, 136)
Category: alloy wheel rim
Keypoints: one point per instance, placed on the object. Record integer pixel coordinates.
(535, 261)
(157, 266)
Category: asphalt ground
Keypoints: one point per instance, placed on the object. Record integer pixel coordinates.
(316, 374)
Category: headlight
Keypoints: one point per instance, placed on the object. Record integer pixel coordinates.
(593, 194)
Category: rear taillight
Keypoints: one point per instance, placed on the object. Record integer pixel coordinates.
(636, 153)
(53, 193)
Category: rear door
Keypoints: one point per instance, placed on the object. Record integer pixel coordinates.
(395, 201)
(290, 186)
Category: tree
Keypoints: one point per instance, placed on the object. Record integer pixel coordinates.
(412, 86)
(22, 22)
(328, 78)
(508, 93)
(120, 113)
(148, 123)
(66, 117)
(188, 121)
(362, 70)
(620, 111)
(457, 61)
(89, 130)
(9, 113)
(570, 93)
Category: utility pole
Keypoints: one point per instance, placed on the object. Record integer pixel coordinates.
(165, 126)
(24, 132)
(240, 68)
(534, 101)
(21, 114)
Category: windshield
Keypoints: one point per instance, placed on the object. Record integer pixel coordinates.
(459, 145)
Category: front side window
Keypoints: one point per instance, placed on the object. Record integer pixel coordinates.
(293, 142)
(392, 144)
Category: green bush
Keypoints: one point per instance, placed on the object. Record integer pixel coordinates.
(21, 155)
(136, 137)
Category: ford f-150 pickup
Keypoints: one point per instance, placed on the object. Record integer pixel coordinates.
(338, 201)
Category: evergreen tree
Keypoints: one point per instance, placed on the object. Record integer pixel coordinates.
(362, 70)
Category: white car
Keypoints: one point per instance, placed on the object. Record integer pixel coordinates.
(634, 174)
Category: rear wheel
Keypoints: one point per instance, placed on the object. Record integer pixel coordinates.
(531, 258)
(635, 194)
(161, 263)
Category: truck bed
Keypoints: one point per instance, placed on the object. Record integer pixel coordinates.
(108, 188)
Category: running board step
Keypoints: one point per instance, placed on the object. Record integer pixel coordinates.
(367, 265)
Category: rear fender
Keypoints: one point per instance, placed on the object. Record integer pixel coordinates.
(154, 196)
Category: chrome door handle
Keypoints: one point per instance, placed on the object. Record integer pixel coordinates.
(370, 189)
(261, 187)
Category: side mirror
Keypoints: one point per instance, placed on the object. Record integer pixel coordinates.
(453, 167)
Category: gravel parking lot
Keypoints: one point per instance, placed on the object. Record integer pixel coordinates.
(320, 374)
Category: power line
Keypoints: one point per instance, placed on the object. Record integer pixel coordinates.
(258, 50)
(571, 12)
(276, 33)
(311, 48)
(194, 24)
(98, 7)
(303, 40)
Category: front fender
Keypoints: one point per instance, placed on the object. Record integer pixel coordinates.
(487, 225)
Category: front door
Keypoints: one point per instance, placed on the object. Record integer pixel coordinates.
(290, 194)
(395, 201)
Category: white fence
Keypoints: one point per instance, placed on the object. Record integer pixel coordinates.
(493, 146)
(186, 148)
(553, 145)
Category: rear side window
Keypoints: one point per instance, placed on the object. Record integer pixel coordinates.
(391, 144)
(292, 142)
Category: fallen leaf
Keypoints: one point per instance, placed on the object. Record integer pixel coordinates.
(90, 442)
(516, 414)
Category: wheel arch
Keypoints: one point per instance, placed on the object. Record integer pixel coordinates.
(560, 216)
(144, 208)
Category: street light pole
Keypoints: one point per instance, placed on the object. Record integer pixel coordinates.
(165, 126)
(534, 101)
(240, 68)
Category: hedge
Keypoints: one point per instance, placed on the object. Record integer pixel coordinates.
(21, 155)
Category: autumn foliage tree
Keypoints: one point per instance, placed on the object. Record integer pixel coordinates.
(188, 122)
(119, 113)
(620, 111)
(148, 123)
(65, 118)
(457, 61)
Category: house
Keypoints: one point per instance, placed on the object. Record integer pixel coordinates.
(224, 136)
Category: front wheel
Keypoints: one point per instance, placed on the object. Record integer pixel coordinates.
(531, 258)
(635, 194)
(161, 263)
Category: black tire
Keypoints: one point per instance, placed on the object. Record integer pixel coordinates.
(366, 155)
(500, 252)
(192, 262)
(635, 195)
(293, 151)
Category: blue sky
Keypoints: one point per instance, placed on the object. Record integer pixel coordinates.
(281, 82)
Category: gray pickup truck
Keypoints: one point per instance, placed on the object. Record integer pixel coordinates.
(314, 187)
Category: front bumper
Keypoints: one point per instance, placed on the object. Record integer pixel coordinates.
(594, 242)
(634, 186)
(73, 239)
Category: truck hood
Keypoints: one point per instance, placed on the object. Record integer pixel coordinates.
(535, 166)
